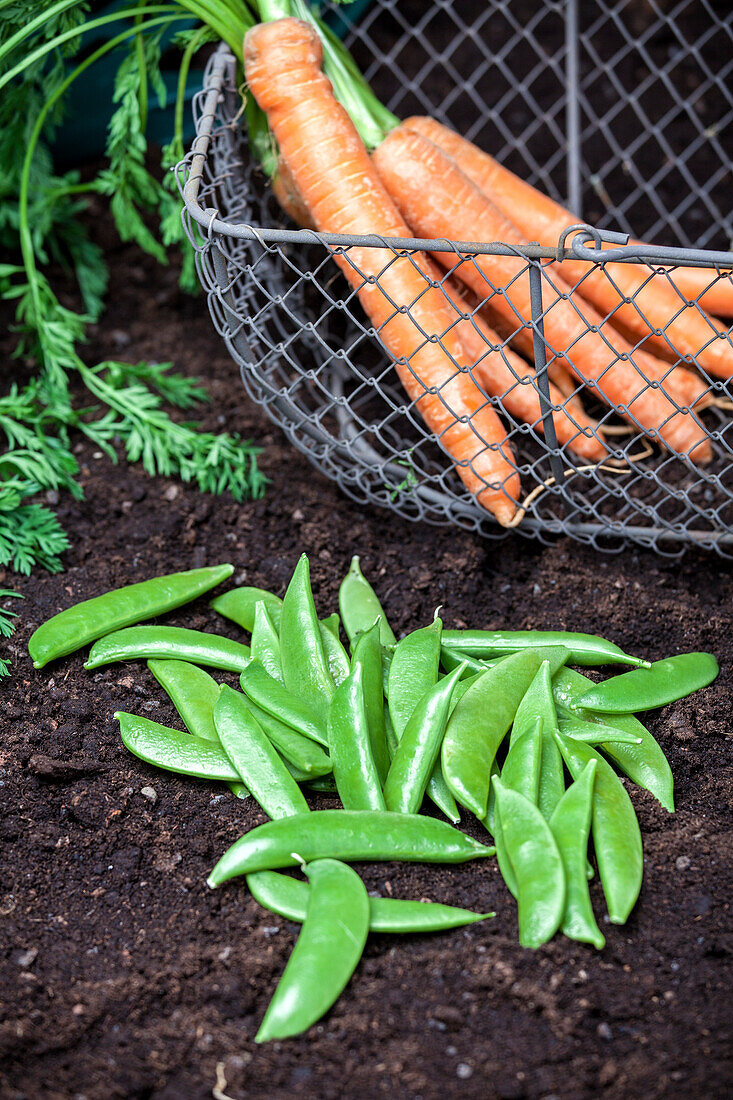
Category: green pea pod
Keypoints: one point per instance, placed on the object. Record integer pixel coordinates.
(413, 670)
(616, 835)
(367, 656)
(389, 733)
(305, 668)
(288, 897)
(539, 703)
(255, 758)
(451, 658)
(194, 694)
(173, 642)
(479, 724)
(595, 734)
(419, 747)
(350, 835)
(303, 753)
(274, 697)
(354, 770)
(175, 751)
(360, 607)
(647, 688)
(536, 863)
(570, 824)
(585, 649)
(240, 605)
(265, 643)
(326, 954)
(337, 658)
(645, 763)
(521, 773)
(85, 622)
(325, 784)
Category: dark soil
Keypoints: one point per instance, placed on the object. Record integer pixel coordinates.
(123, 975)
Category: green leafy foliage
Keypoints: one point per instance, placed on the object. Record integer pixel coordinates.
(116, 406)
(7, 626)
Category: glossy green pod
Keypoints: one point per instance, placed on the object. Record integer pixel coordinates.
(360, 607)
(536, 863)
(239, 605)
(367, 656)
(172, 642)
(354, 769)
(615, 829)
(349, 835)
(478, 725)
(87, 621)
(585, 649)
(274, 697)
(570, 825)
(255, 757)
(326, 954)
(644, 763)
(193, 693)
(648, 688)
(175, 751)
(305, 669)
(265, 642)
(288, 897)
(537, 703)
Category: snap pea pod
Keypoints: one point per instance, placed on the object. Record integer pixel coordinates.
(305, 755)
(239, 605)
(324, 784)
(585, 649)
(360, 607)
(326, 954)
(175, 751)
(288, 897)
(336, 656)
(478, 725)
(521, 773)
(265, 642)
(413, 670)
(536, 863)
(570, 825)
(274, 697)
(354, 769)
(647, 688)
(332, 624)
(173, 642)
(539, 703)
(91, 619)
(255, 757)
(305, 668)
(367, 656)
(644, 763)
(418, 748)
(489, 821)
(348, 835)
(616, 834)
(595, 734)
(194, 694)
(450, 658)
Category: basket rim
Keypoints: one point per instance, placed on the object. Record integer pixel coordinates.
(190, 170)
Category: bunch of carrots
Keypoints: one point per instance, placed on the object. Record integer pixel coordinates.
(362, 171)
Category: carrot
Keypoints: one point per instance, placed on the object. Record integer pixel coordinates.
(504, 375)
(289, 198)
(342, 191)
(696, 283)
(438, 200)
(656, 304)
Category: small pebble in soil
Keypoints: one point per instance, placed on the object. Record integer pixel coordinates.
(604, 1032)
(24, 959)
(149, 793)
(464, 1071)
(682, 863)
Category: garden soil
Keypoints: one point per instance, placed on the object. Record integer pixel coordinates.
(123, 975)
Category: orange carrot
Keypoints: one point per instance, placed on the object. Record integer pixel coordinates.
(342, 191)
(504, 375)
(438, 200)
(696, 283)
(655, 302)
(289, 198)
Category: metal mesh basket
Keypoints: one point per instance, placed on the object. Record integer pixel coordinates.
(310, 356)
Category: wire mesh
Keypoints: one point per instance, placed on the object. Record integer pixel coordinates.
(530, 418)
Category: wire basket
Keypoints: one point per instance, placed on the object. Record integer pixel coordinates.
(309, 355)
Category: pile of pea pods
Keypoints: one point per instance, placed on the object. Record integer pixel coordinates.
(387, 725)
